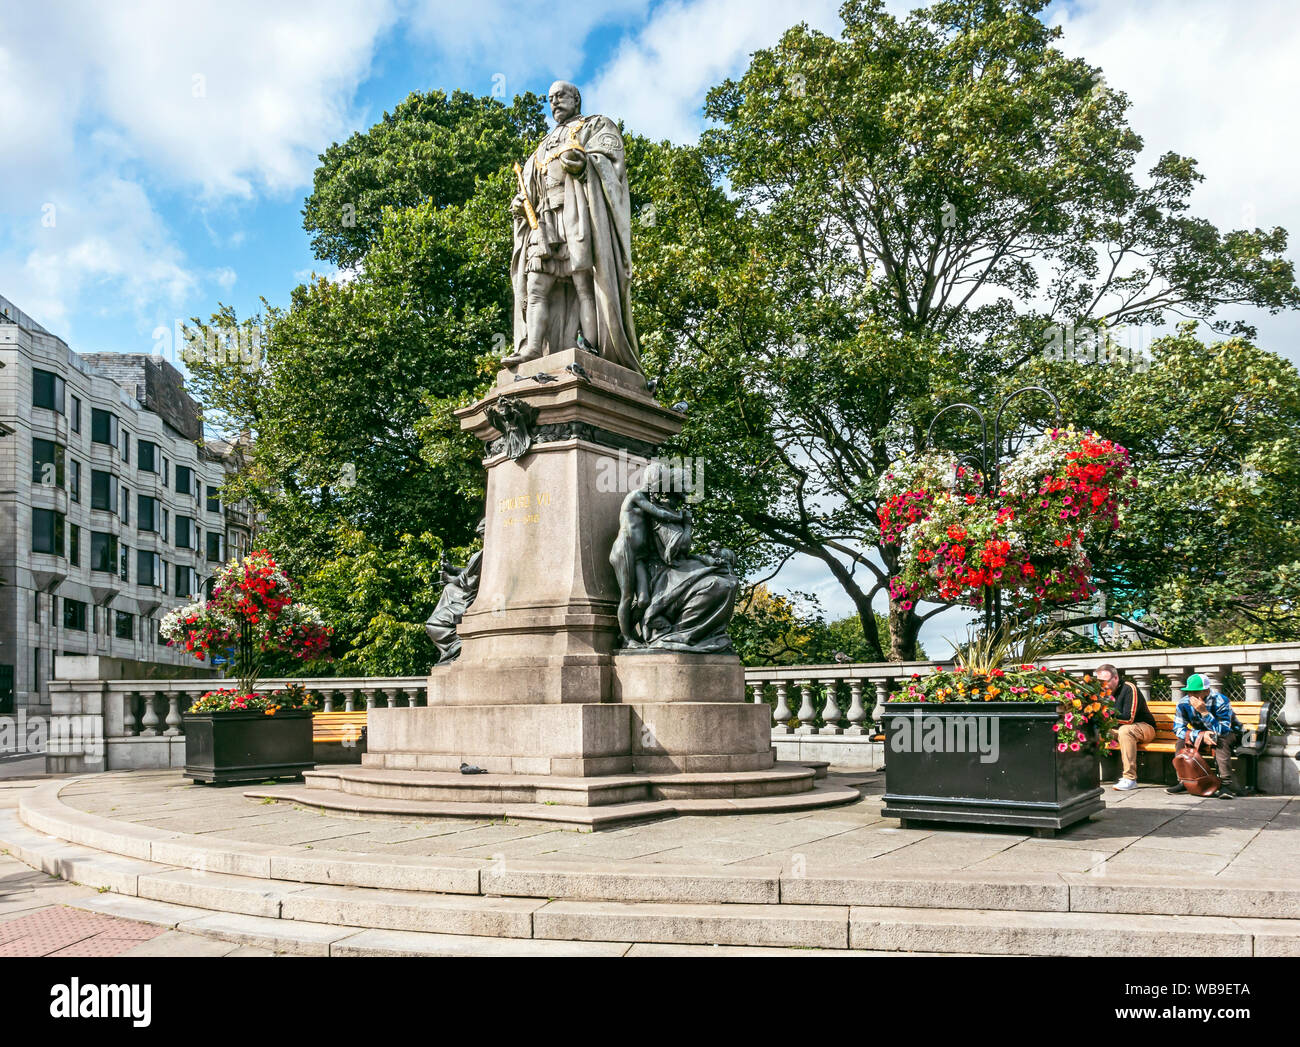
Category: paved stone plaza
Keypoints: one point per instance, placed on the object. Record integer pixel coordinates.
(216, 873)
(1145, 832)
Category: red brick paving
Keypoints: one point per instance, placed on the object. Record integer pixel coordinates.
(61, 931)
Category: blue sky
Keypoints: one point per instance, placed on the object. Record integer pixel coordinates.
(154, 156)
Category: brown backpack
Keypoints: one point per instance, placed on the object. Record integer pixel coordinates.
(1194, 772)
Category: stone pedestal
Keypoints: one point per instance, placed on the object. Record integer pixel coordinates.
(541, 692)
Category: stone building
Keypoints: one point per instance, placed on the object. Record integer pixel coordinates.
(111, 512)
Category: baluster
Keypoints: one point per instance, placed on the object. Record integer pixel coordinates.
(327, 701)
(1253, 679)
(350, 701)
(1291, 706)
(807, 713)
(1213, 677)
(150, 721)
(756, 689)
(128, 714)
(370, 693)
(831, 711)
(878, 710)
(173, 714)
(783, 713)
(1142, 679)
(857, 711)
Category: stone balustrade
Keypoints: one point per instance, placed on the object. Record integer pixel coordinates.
(99, 725)
(801, 695)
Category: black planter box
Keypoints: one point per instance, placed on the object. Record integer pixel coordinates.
(247, 747)
(996, 764)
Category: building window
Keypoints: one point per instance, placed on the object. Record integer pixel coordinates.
(124, 626)
(124, 565)
(6, 690)
(74, 545)
(146, 456)
(103, 552)
(184, 480)
(184, 581)
(47, 462)
(74, 479)
(103, 427)
(185, 532)
(214, 546)
(76, 415)
(36, 668)
(124, 505)
(149, 569)
(126, 445)
(146, 512)
(74, 615)
(103, 491)
(48, 390)
(47, 531)
(214, 499)
(166, 528)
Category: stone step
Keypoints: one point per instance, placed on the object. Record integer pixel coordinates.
(302, 917)
(823, 794)
(555, 790)
(113, 855)
(1068, 934)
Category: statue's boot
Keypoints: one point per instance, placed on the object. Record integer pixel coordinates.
(515, 359)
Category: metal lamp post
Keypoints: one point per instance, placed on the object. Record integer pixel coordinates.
(987, 458)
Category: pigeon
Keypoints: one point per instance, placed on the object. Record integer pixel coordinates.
(652, 384)
(585, 346)
(578, 371)
(520, 378)
(542, 377)
(840, 657)
(469, 768)
(681, 407)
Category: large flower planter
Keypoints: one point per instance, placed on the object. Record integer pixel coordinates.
(985, 763)
(247, 746)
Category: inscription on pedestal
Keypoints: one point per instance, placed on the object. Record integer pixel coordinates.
(520, 504)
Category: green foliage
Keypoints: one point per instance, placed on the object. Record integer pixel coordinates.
(1210, 548)
(770, 629)
(432, 148)
(918, 202)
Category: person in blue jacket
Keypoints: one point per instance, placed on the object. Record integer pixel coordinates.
(1207, 714)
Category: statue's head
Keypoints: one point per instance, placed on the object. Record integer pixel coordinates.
(566, 101)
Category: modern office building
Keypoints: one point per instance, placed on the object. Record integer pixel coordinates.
(111, 512)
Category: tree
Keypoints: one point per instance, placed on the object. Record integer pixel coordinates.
(1210, 547)
(917, 205)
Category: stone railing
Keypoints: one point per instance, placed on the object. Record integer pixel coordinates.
(105, 725)
(801, 694)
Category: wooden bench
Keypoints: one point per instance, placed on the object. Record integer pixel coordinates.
(338, 728)
(1254, 718)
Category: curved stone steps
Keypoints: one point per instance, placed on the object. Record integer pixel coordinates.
(274, 902)
(605, 816)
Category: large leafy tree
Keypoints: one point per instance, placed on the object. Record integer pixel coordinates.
(1210, 548)
(919, 205)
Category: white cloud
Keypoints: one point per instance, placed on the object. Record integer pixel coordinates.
(522, 47)
(657, 80)
(107, 236)
(1217, 82)
(225, 97)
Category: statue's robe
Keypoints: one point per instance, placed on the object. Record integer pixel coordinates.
(591, 217)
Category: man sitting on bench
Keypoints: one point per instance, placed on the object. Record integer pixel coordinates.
(1207, 715)
(1136, 724)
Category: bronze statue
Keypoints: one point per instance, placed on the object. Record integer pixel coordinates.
(460, 587)
(668, 598)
